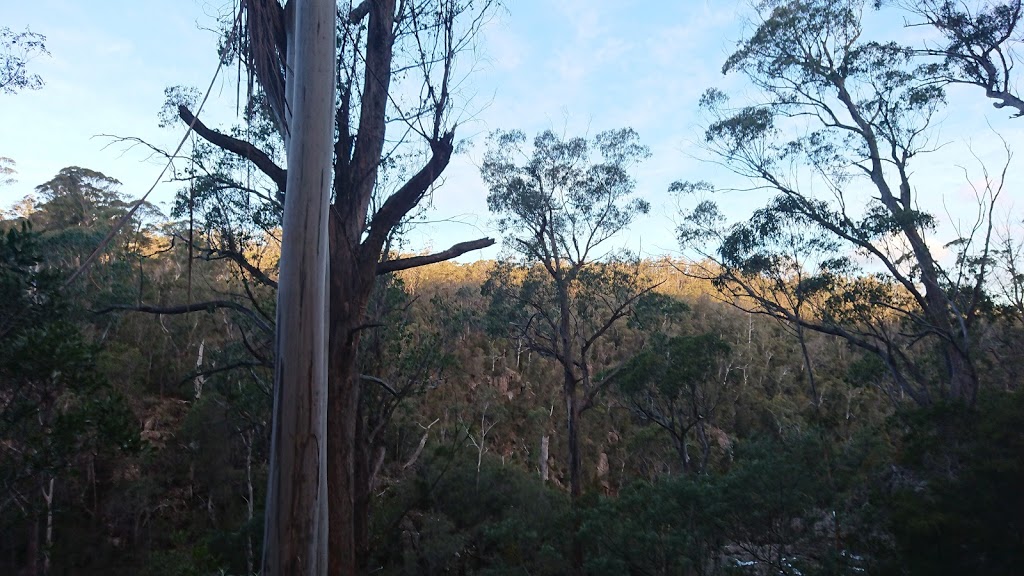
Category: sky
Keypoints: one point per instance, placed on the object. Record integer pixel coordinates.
(574, 66)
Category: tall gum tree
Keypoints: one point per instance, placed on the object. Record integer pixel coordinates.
(296, 519)
(835, 139)
(559, 205)
(376, 119)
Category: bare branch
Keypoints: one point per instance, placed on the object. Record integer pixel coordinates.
(241, 260)
(405, 199)
(383, 384)
(244, 149)
(359, 12)
(417, 261)
(208, 306)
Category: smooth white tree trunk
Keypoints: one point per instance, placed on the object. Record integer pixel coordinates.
(544, 457)
(200, 380)
(295, 540)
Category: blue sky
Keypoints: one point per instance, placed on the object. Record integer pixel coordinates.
(575, 66)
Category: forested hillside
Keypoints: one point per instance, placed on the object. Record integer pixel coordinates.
(136, 442)
(830, 384)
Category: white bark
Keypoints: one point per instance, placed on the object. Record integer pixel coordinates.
(199, 379)
(295, 540)
(481, 446)
(423, 442)
(602, 472)
(544, 440)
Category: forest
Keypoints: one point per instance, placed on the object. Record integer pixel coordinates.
(270, 378)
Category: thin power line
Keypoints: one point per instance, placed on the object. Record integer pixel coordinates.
(124, 219)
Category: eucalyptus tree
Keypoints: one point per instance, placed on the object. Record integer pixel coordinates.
(296, 518)
(560, 204)
(978, 47)
(72, 212)
(79, 200)
(678, 383)
(394, 69)
(835, 138)
(17, 49)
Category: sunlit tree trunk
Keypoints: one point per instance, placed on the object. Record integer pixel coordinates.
(296, 530)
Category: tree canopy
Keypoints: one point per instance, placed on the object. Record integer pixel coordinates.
(17, 49)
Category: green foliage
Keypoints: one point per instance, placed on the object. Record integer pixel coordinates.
(446, 520)
(664, 528)
(78, 198)
(568, 197)
(979, 42)
(228, 205)
(789, 487)
(26, 293)
(837, 109)
(956, 506)
(76, 210)
(559, 204)
(193, 560)
(774, 509)
(17, 49)
(672, 365)
(60, 420)
(654, 312)
(51, 386)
